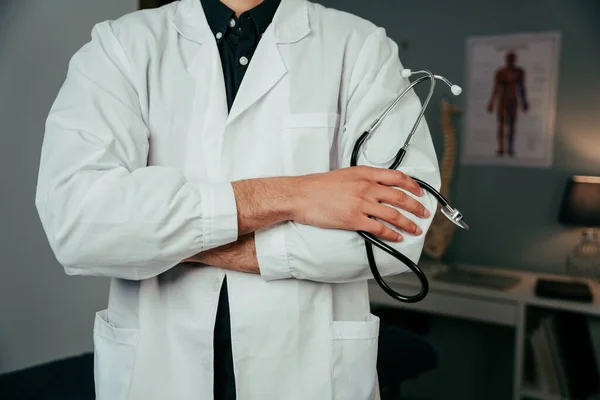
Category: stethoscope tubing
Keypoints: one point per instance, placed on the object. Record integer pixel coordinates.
(371, 240)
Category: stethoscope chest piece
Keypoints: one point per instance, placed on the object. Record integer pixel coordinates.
(455, 216)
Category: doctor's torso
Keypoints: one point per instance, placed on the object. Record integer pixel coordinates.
(285, 120)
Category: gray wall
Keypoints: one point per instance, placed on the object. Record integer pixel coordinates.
(44, 314)
(435, 32)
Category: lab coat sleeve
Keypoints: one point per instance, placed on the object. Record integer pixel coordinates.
(106, 212)
(293, 250)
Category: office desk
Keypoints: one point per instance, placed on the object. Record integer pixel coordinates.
(502, 307)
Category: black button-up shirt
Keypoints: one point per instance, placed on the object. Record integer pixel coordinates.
(237, 40)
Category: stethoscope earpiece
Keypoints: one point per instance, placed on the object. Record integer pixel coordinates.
(456, 90)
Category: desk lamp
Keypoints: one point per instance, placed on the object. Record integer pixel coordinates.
(581, 207)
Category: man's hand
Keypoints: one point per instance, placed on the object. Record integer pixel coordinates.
(346, 198)
(238, 256)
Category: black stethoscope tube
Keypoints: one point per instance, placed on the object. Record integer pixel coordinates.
(371, 240)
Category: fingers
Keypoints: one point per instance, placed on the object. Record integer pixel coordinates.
(400, 199)
(377, 228)
(391, 177)
(393, 217)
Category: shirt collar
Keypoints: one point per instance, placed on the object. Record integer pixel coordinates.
(263, 14)
(218, 15)
(290, 24)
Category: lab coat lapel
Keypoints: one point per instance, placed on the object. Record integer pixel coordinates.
(210, 99)
(264, 71)
(209, 114)
(290, 24)
(190, 21)
(203, 64)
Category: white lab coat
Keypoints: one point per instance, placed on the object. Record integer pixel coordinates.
(136, 169)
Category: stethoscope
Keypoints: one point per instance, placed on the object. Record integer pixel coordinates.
(448, 211)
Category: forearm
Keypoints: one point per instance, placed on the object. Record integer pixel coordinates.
(238, 256)
(260, 203)
(263, 202)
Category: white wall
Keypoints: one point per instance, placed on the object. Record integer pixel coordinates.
(44, 314)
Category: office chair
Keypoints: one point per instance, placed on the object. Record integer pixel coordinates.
(404, 353)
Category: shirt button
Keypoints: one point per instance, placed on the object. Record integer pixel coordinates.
(244, 61)
(219, 35)
(232, 22)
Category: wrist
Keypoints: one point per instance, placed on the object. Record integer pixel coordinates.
(263, 202)
(287, 200)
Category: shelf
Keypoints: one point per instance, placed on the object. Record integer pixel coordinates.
(537, 394)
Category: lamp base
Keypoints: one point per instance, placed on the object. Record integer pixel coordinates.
(584, 260)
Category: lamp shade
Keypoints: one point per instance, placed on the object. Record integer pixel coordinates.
(581, 202)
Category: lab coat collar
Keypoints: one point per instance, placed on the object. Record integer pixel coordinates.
(291, 22)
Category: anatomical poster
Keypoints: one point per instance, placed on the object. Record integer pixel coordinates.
(510, 100)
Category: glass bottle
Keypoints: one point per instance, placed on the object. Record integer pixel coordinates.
(584, 260)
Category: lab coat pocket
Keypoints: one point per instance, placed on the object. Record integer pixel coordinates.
(114, 357)
(307, 142)
(354, 359)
